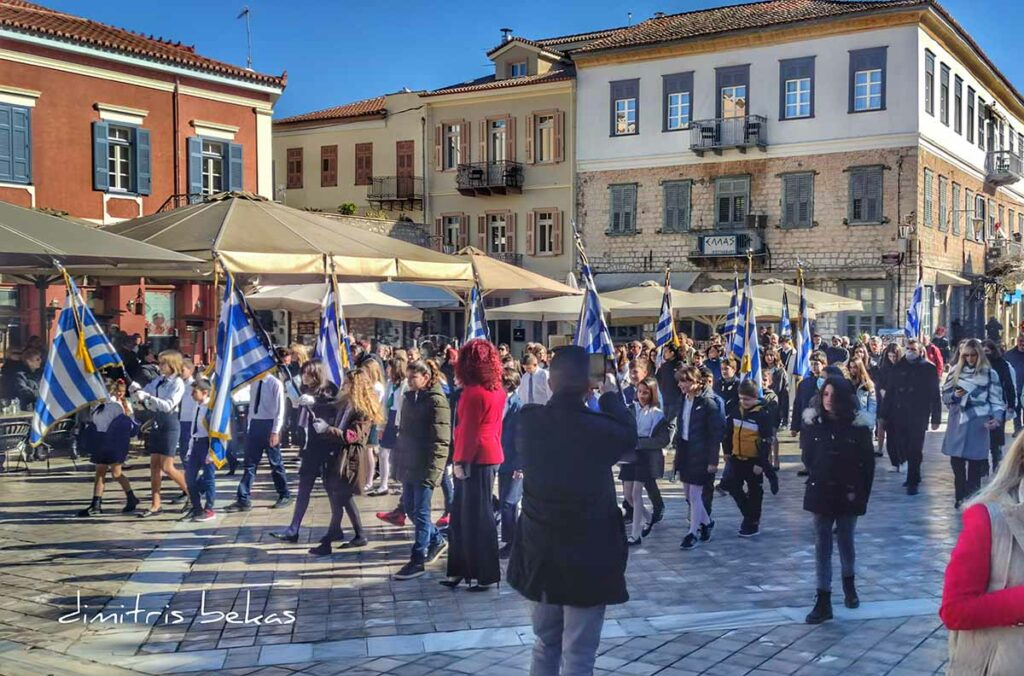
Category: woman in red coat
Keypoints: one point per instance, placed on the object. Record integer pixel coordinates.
(472, 532)
(983, 598)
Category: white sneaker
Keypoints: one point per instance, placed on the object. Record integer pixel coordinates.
(903, 468)
(894, 468)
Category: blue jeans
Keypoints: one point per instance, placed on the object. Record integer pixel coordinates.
(510, 492)
(416, 505)
(199, 487)
(256, 442)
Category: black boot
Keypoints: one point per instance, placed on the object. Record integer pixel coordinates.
(850, 600)
(822, 608)
(95, 507)
(131, 503)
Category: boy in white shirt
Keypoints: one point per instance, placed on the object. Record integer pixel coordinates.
(197, 458)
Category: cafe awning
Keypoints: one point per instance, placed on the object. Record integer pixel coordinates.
(943, 278)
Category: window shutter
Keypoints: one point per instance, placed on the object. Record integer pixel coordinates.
(6, 143)
(483, 143)
(531, 122)
(195, 168)
(805, 200)
(629, 208)
(21, 145)
(464, 138)
(143, 168)
(531, 234)
(439, 233)
(788, 201)
(463, 231)
(723, 209)
(235, 166)
(438, 145)
(100, 150)
(671, 198)
(683, 222)
(615, 208)
(873, 196)
(559, 136)
(481, 233)
(510, 231)
(510, 138)
(556, 233)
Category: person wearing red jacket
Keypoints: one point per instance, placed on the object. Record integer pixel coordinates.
(472, 532)
(983, 597)
(933, 354)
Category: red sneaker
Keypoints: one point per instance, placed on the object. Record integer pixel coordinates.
(443, 521)
(395, 518)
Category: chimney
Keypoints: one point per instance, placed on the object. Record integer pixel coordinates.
(659, 15)
(506, 34)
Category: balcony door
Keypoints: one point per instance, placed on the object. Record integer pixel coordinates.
(405, 168)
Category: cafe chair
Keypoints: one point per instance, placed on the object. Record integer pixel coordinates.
(61, 437)
(14, 442)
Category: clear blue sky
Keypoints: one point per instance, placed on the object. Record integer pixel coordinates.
(336, 51)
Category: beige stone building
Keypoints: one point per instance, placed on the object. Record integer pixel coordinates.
(369, 154)
(866, 141)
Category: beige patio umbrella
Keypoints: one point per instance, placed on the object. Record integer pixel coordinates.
(495, 275)
(557, 309)
(642, 304)
(250, 234)
(819, 301)
(358, 300)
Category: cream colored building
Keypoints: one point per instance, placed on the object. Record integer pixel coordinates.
(368, 153)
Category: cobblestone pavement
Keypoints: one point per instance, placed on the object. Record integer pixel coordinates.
(732, 606)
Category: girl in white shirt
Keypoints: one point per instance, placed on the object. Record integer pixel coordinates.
(163, 397)
(393, 394)
(106, 437)
(652, 436)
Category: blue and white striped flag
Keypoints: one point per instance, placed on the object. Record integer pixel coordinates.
(750, 361)
(734, 308)
(332, 342)
(785, 328)
(476, 320)
(739, 340)
(71, 377)
(802, 364)
(242, 357)
(665, 332)
(914, 312)
(591, 329)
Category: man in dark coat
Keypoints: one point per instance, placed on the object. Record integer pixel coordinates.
(1015, 358)
(997, 437)
(569, 552)
(836, 353)
(912, 397)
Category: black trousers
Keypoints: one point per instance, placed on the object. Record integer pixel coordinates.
(472, 531)
(748, 501)
(654, 493)
(967, 476)
(906, 444)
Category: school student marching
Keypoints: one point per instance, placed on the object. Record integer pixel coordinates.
(510, 474)
(697, 441)
(185, 414)
(199, 470)
(106, 438)
(652, 437)
(392, 406)
(750, 432)
(266, 421)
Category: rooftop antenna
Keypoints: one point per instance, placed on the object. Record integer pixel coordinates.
(629, 18)
(246, 12)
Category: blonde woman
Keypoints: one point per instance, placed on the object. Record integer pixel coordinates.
(299, 353)
(974, 395)
(162, 397)
(983, 597)
(865, 388)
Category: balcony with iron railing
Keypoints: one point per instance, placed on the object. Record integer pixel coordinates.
(1003, 167)
(391, 191)
(510, 258)
(716, 135)
(490, 178)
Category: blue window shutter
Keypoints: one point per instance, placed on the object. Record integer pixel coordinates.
(233, 162)
(100, 156)
(195, 168)
(6, 143)
(143, 170)
(21, 145)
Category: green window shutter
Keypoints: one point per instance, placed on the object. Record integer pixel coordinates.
(873, 195)
(928, 198)
(195, 168)
(100, 156)
(683, 214)
(615, 208)
(234, 165)
(677, 206)
(629, 209)
(143, 170)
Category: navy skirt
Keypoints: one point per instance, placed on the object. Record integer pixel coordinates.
(164, 435)
(390, 438)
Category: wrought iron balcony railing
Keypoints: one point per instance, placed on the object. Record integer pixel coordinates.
(490, 178)
(390, 190)
(1003, 167)
(716, 135)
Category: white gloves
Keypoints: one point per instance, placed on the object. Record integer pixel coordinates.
(320, 425)
(142, 395)
(307, 400)
(134, 387)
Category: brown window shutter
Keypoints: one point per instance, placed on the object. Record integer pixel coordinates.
(510, 232)
(463, 231)
(482, 141)
(510, 138)
(531, 234)
(559, 136)
(364, 163)
(439, 233)
(294, 168)
(556, 233)
(438, 146)
(530, 123)
(464, 138)
(481, 233)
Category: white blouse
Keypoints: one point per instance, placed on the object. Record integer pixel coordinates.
(167, 393)
(647, 419)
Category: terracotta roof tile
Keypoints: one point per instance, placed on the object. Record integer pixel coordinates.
(578, 37)
(738, 17)
(28, 17)
(522, 41)
(490, 82)
(374, 106)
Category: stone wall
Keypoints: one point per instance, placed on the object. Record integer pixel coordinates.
(407, 231)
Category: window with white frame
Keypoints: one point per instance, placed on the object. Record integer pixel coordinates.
(544, 137)
(625, 116)
(544, 227)
(452, 142)
(734, 101)
(452, 230)
(517, 69)
(496, 131)
(119, 153)
(798, 98)
(867, 89)
(213, 167)
(497, 234)
(678, 110)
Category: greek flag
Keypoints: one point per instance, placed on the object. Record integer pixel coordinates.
(738, 337)
(476, 324)
(71, 377)
(332, 343)
(734, 310)
(802, 366)
(913, 327)
(591, 329)
(665, 332)
(750, 360)
(785, 328)
(242, 357)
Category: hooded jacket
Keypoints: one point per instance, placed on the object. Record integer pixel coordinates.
(840, 457)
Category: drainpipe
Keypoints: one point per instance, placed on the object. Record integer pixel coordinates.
(423, 161)
(177, 145)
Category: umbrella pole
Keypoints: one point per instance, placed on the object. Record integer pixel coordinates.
(44, 325)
